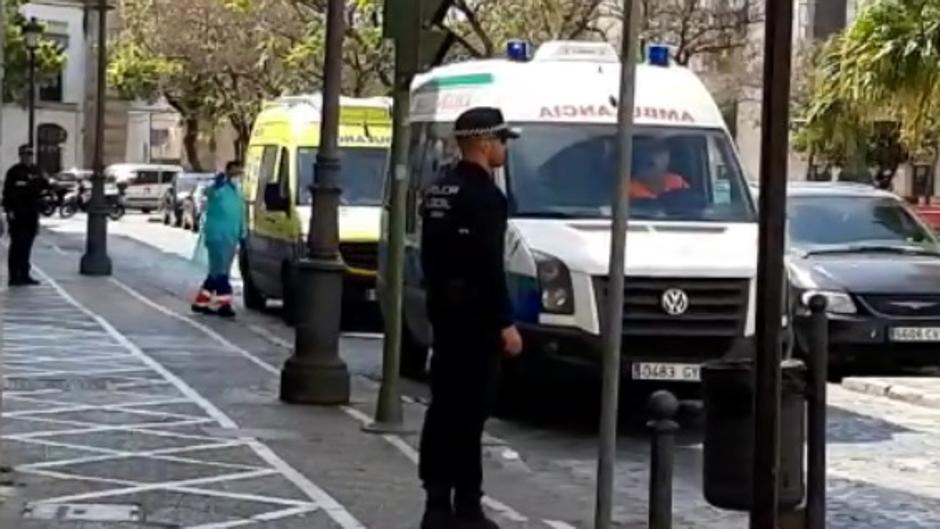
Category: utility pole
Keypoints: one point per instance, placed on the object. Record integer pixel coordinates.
(610, 396)
(3, 167)
(408, 23)
(316, 374)
(32, 34)
(775, 131)
(96, 262)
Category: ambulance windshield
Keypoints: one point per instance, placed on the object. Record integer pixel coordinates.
(568, 171)
(362, 173)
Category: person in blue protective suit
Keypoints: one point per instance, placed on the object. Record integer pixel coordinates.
(222, 231)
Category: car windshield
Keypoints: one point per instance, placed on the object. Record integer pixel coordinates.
(821, 222)
(363, 171)
(189, 181)
(569, 171)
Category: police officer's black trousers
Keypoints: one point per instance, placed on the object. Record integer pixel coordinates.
(464, 379)
(23, 229)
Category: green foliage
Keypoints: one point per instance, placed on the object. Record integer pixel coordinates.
(49, 58)
(876, 94)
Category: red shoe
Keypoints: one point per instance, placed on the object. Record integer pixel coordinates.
(203, 302)
(224, 307)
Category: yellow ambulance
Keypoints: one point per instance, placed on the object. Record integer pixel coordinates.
(278, 174)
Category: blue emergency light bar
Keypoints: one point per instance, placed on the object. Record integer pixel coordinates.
(518, 50)
(657, 54)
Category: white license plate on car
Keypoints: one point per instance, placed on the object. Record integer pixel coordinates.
(666, 371)
(915, 334)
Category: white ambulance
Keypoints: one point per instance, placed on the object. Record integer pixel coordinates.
(692, 237)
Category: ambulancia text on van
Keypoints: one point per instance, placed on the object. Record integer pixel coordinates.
(278, 176)
(692, 237)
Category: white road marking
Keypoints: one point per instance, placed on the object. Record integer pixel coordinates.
(146, 487)
(266, 517)
(554, 524)
(334, 509)
(406, 449)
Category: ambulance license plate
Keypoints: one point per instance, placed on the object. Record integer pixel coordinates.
(666, 371)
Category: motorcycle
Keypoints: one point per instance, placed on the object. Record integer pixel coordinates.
(49, 202)
(80, 200)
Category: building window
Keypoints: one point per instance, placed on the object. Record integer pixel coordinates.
(53, 89)
(50, 138)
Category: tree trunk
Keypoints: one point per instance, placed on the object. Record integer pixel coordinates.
(190, 139)
(241, 145)
(242, 130)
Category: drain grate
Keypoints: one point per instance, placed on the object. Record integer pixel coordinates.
(86, 512)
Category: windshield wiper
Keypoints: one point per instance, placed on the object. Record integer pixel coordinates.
(550, 215)
(870, 248)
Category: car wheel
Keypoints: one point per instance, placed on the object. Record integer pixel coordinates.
(253, 298)
(414, 355)
(146, 211)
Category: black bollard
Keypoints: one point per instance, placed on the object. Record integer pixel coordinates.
(816, 428)
(663, 407)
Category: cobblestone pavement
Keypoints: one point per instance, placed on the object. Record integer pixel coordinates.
(883, 453)
(90, 420)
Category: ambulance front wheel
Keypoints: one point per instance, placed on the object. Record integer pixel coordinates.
(253, 298)
(288, 298)
(414, 355)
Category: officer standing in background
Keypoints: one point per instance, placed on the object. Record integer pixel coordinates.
(463, 235)
(22, 194)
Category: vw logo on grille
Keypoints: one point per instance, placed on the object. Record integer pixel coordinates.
(675, 301)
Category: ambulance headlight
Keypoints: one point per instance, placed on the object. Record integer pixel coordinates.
(555, 283)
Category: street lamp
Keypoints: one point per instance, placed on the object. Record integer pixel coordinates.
(32, 33)
(315, 374)
(96, 262)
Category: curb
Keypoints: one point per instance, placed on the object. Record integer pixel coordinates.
(890, 390)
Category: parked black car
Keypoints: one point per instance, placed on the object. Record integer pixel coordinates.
(182, 195)
(878, 266)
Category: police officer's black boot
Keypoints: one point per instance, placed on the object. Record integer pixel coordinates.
(469, 513)
(438, 513)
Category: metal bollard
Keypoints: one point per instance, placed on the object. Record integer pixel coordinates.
(663, 407)
(816, 416)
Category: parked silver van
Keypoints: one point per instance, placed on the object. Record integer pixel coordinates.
(144, 185)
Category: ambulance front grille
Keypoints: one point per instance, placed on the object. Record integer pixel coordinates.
(360, 255)
(715, 315)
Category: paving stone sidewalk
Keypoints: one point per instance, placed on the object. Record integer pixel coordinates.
(116, 412)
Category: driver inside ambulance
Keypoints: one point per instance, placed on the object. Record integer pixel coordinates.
(651, 174)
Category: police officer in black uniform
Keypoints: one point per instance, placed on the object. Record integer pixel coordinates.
(464, 227)
(22, 195)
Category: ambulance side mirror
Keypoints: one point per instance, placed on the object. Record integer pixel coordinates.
(274, 199)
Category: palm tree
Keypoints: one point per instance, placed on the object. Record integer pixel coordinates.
(890, 67)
